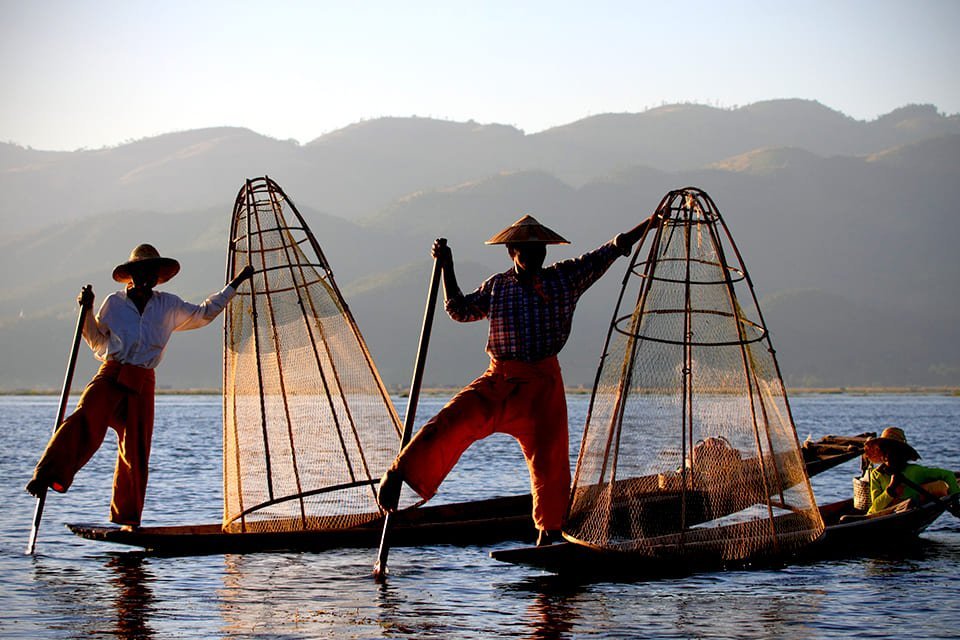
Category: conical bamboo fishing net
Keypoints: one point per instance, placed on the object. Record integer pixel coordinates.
(308, 425)
(689, 445)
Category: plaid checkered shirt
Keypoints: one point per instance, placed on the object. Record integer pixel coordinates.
(530, 323)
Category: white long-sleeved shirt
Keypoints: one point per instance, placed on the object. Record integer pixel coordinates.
(119, 332)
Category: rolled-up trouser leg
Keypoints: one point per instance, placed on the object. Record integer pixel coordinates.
(436, 448)
(537, 418)
(134, 433)
(524, 400)
(548, 459)
(82, 432)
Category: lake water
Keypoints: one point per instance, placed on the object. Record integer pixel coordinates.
(74, 588)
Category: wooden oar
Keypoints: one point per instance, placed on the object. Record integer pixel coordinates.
(951, 506)
(64, 396)
(380, 568)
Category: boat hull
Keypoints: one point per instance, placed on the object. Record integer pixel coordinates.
(846, 538)
(877, 532)
(466, 523)
(478, 522)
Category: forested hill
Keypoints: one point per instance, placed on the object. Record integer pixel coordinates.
(847, 227)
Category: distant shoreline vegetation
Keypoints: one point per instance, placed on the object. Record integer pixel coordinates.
(448, 391)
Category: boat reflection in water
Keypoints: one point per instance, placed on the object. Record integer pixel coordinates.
(114, 600)
(305, 595)
(693, 607)
(551, 614)
(133, 595)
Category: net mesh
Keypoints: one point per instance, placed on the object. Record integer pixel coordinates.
(308, 424)
(689, 444)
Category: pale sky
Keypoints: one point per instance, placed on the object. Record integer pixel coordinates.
(87, 73)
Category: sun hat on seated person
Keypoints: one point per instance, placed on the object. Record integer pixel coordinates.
(146, 255)
(892, 437)
(527, 229)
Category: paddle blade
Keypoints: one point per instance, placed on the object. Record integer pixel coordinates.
(35, 528)
(380, 567)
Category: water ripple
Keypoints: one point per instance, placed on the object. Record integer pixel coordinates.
(74, 588)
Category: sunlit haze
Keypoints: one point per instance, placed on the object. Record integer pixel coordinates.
(99, 73)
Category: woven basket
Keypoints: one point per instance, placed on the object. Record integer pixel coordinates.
(861, 494)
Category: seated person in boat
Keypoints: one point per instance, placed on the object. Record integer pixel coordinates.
(891, 480)
(129, 335)
(530, 310)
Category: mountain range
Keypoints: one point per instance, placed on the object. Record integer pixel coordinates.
(847, 228)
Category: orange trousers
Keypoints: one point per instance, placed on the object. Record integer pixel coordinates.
(119, 396)
(523, 399)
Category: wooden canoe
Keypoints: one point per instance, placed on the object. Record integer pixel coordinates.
(830, 451)
(477, 522)
(841, 538)
(466, 523)
(848, 532)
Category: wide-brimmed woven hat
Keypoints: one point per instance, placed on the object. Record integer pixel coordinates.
(891, 437)
(147, 255)
(527, 229)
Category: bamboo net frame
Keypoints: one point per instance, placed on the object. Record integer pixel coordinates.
(308, 424)
(689, 444)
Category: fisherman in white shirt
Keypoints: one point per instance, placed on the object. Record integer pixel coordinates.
(129, 334)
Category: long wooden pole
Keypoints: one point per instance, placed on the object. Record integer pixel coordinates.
(380, 568)
(64, 395)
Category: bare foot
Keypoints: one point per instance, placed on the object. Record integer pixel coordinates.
(36, 487)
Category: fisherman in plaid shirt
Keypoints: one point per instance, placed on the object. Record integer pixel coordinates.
(530, 310)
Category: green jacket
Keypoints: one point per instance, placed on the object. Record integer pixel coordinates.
(880, 499)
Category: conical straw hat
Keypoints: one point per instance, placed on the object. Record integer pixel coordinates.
(891, 437)
(527, 229)
(147, 255)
